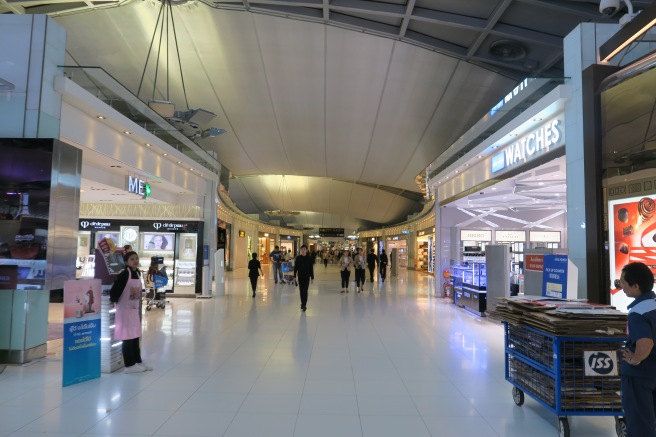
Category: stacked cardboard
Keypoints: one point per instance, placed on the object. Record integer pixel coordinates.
(561, 317)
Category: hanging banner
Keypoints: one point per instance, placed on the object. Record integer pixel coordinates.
(554, 279)
(81, 331)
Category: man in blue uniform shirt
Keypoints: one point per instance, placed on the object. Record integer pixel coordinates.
(276, 258)
(638, 367)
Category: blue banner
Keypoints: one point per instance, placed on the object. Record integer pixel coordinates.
(82, 304)
(554, 279)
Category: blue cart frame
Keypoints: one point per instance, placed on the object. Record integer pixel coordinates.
(551, 370)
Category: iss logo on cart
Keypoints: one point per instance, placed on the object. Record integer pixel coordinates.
(600, 363)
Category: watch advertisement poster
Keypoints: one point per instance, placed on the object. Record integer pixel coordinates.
(631, 238)
(82, 300)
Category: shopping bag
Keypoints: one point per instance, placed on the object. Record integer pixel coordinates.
(160, 281)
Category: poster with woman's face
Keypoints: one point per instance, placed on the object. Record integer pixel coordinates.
(159, 242)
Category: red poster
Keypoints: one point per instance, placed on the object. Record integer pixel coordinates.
(534, 263)
(632, 237)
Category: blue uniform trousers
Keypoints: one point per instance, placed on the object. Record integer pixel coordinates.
(639, 403)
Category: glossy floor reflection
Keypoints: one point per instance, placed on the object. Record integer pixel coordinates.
(392, 361)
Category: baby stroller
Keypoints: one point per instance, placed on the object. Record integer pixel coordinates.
(155, 291)
(288, 273)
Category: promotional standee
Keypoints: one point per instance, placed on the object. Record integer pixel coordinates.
(82, 304)
(177, 243)
(554, 278)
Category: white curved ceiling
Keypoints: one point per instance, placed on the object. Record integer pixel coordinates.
(357, 114)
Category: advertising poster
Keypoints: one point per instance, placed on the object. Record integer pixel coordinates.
(554, 279)
(631, 238)
(81, 331)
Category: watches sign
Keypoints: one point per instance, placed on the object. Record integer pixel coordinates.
(537, 142)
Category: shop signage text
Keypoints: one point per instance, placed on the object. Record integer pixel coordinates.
(554, 279)
(169, 226)
(86, 224)
(114, 225)
(510, 236)
(528, 147)
(534, 263)
(138, 186)
(523, 84)
(474, 235)
(544, 236)
(331, 232)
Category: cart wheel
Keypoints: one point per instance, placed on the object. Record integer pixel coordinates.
(620, 427)
(148, 308)
(563, 427)
(518, 396)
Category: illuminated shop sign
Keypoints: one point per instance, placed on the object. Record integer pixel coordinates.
(537, 142)
(475, 235)
(523, 84)
(544, 236)
(510, 236)
(138, 186)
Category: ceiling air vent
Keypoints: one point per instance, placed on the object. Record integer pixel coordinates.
(507, 50)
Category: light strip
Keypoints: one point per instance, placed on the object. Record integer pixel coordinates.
(635, 36)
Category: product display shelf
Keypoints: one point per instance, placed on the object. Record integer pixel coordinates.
(422, 257)
(185, 275)
(111, 357)
(469, 286)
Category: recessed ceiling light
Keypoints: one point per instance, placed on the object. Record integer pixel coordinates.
(179, 162)
(447, 177)
(467, 165)
(148, 144)
(100, 117)
(538, 179)
(495, 147)
(201, 174)
(191, 169)
(127, 132)
(494, 188)
(479, 156)
(537, 119)
(557, 194)
(541, 183)
(505, 197)
(165, 154)
(457, 171)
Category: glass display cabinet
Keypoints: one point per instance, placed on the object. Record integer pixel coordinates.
(469, 286)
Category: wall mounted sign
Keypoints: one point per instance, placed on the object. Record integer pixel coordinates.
(544, 236)
(534, 263)
(510, 236)
(143, 225)
(475, 235)
(537, 142)
(139, 186)
(331, 232)
(523, 84)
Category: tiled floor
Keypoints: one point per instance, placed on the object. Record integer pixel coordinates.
(392, 361)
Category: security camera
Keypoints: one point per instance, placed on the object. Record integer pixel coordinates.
(609, 7)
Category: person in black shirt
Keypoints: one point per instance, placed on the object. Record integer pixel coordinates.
(382, 264)
(304, 268)
(254, 270)
(372, 260)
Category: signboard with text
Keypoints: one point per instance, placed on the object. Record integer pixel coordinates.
(554, 279)
(544, 236)
(510, 236)
(331, 232)
(475, 235)
(82, 301)
(534, 263)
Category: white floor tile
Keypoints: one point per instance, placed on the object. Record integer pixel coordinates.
(309, 425)
(195, 423)
(391, 363)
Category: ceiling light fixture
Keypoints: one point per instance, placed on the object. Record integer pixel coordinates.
(148, 144)
(165, 154)
(127, 132)
(100, 117)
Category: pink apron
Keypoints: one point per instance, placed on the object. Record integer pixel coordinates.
(127, 320)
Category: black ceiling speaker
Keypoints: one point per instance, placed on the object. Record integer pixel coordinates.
(507, 50)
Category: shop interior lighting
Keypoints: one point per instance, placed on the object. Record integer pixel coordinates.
(148, 144)
(165, 154)
(127, 132)
(100, 117)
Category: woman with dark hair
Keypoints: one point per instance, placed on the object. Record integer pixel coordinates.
(304, 268)
(345, 263)
(125, 294)
(158, 242)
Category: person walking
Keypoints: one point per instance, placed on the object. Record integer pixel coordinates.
(254, 271)
(382, 265)
(276, 258)
(325, 260)
(344, 264)
(304, 273)
(125, 294)
(359, 263)
(638, 366)
(372, 260)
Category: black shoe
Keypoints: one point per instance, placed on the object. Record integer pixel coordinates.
(253, 294)
(275, 282)
(303, 308)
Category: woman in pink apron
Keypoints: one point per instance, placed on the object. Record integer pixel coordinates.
(126, 296)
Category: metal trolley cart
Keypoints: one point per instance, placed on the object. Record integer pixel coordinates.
(571, 376)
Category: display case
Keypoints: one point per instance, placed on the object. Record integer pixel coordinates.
(422, 256)
(185, 276)
(469, 286)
